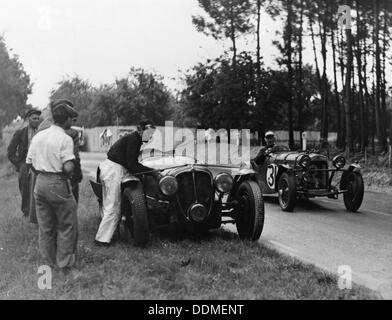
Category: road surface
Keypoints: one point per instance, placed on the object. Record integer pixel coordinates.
(323, 233)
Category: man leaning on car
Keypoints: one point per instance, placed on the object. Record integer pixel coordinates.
(122, 159)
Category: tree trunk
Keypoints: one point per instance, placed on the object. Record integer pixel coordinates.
(339, 142)
(233, 37)
(290, 73)
(315, 52)
(383, 81)
(365, 86)
(300, 74)
(342, 74)
(348, 100)
(324, 110)
(259, 105)
(379, 119)
(360, 87)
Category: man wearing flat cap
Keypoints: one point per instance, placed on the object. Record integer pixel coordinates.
(17, 152)
(51, 154)
(46, 123)
(122, 159)
(267, 149)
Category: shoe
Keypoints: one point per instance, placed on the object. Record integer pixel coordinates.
(101, 244)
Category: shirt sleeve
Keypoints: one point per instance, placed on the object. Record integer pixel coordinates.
(31, 151)
(67, 149)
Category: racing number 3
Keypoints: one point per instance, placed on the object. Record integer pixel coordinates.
(271, 174)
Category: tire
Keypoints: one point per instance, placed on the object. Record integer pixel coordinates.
(353, 198)
(250, 218)
(287, 192)
(133, 205)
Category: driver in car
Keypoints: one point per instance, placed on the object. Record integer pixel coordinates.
(122, 159)
(267, 149)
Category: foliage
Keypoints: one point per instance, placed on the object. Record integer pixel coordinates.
(130, 99)
(220, 95)
(226, 19)
(15, 86)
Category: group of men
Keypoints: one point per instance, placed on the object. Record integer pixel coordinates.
(46, 156)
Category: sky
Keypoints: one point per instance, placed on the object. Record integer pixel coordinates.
(100, 40)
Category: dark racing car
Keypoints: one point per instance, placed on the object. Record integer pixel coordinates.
(189, 195)
(293, 175)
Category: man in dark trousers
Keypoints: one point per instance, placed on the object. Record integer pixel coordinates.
(17, 152)
(122, 159)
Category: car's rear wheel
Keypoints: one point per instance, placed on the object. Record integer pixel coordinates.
(250, 217)
(287, 191)
(134, 209)
(354, 185)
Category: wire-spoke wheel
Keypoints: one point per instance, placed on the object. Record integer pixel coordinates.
(287, 191)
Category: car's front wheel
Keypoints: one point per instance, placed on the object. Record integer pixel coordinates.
(354, 185)
(287, 191)
(250, 217)
(134, 209)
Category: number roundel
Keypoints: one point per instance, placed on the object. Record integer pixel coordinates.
(271, 176)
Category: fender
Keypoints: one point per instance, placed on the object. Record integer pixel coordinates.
(130, 181)
(351, 168)
(282, 168)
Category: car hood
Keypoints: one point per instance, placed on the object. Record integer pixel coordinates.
(176, 164)
(293, 155)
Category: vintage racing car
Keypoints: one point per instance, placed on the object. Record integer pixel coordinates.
(294, 175)
(190, 195)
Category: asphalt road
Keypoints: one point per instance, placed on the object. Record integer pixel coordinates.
(323, 233)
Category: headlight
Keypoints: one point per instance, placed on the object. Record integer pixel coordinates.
(197, 212)
(168, 185)
(224, 182)
(305, 161)
(339, 162)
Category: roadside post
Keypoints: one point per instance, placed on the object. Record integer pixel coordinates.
(304, 138)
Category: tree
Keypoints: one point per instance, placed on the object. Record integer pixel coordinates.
(80, 93)
(221, 95)
(130, 99)
(142, 95)
(15, 87)
(227, 19)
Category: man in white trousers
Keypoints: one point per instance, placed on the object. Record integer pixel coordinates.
(122, 159)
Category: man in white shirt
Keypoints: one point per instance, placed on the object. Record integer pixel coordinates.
(51, 154)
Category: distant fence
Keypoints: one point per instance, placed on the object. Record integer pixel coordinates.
(100, 139)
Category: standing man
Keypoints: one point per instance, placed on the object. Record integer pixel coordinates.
(51, 155)
(46, 123)
(17, 152)
(122, 158)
